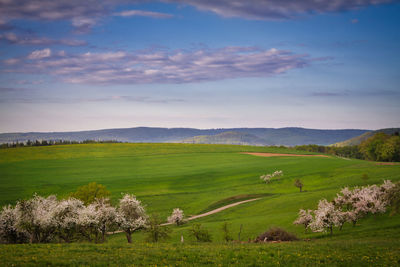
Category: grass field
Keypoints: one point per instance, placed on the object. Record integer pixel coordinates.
(198, 178)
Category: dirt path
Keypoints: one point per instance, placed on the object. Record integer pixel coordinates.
(217, 210)
(280, 155)
(205, 214)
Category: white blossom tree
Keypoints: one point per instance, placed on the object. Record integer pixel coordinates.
(9, 232)
(176, 217)
(326, 216)
(106, 216)
(35, 217)
(131, 215)
(87, 222)
(268, 177)
(66, 216)
(305, 218)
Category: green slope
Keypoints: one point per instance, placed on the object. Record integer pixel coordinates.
(193, 178)
(359, 139)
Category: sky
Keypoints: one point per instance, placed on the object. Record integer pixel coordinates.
(70, 65)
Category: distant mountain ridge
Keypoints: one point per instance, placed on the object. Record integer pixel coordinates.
(290, 136)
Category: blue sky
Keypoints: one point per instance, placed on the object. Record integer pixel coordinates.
(81, 65)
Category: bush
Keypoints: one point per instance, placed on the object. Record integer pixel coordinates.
(276, 234)
(201, 234)
(155, 231)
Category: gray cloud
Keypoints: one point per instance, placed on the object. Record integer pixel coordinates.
(84, 14)
(329, 94)
(158, 66)
(12, 38)
(276, 9)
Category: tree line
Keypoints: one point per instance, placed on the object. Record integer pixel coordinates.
(29, 143)
(379, 147)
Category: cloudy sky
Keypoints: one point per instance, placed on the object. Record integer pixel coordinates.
(71, 65)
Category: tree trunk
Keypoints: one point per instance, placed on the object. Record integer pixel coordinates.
(128, 236)
(300, 189)
(331, 229)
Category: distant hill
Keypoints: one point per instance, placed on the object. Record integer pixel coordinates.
(358, 139)
(230, 137)
(251, 136)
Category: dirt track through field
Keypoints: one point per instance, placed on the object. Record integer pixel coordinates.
(280, 155)
(205, 214)
(217, 210)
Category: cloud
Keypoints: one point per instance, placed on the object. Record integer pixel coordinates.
(329, 94)
(64, 100)
(143, 13)
(12, 38)
(85, 14)
(159, 66)
(276, 9)
(354, 21)
(40, 54)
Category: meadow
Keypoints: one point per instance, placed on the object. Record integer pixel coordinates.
(198, 178)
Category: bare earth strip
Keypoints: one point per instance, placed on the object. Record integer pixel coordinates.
(204, 214)
(387, 163)
(217, 210)
(281, 155)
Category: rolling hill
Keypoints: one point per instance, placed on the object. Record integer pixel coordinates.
(256, 136)
(358, 139)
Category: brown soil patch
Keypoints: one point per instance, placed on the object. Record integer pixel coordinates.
(387, 163)
(281, 155)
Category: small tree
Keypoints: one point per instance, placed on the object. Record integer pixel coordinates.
(131, 215)
(90, 192)
(298, 184)
(305, 218)
(201, 234)
(155, 231)
(106, 217)
(226, 233)
(176, 217)
(326, 216)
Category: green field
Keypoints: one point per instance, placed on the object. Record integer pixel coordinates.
(197, 178)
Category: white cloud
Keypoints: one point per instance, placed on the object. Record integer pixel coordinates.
(143, 13)
(40, 54)
(161, 66)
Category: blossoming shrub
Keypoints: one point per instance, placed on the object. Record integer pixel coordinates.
(176, 217)
(268, 177)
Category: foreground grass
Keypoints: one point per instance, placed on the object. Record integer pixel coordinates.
(198, 178)
(357, 252)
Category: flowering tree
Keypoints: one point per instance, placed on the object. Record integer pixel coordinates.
(66, 216)
(268, 177)
(305, 218)
(326, 216)
(35, 217)
(9, 232)
(87, 222)
(131, 215)
(106, 216)
(176, 217)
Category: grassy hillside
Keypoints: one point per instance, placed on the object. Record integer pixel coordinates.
(196, 178)
(359, 139)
